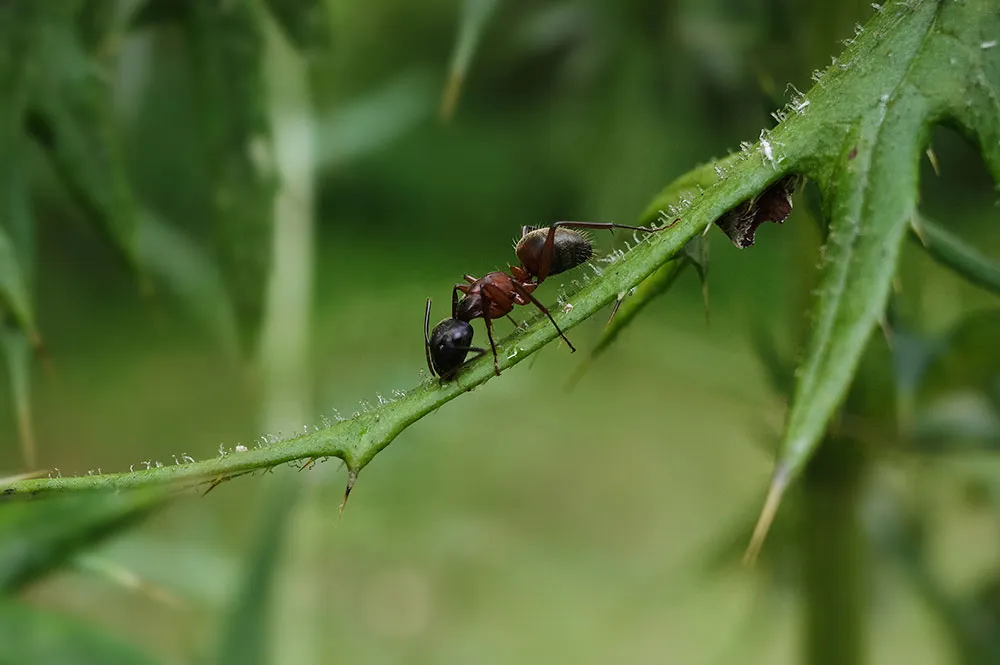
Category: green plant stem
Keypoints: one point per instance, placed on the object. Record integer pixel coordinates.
(358, 440)
(835, 616)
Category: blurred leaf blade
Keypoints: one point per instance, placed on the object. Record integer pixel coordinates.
(31, 635)
(246, 636)
(951, 251)
(40, 535)
(187, 271)
(14, 293)
(228, 47)
(475, 15)
(305, 23)
(73, 120)
(18, 354)
(96, 20)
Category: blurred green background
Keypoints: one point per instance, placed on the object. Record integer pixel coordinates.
(526, 521)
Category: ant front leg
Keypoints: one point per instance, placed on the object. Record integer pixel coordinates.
(493, 345)
(493, 296)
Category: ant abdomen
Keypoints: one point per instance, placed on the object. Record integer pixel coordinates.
(570, 248)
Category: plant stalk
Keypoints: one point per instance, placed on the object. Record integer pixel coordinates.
(834, 556)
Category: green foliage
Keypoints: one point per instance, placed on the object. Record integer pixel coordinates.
(861, 149)
(858, 135)
(30, 635)
(38, 536)
(59, 98)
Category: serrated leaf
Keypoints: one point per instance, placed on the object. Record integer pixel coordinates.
(246, 637)
(228, 47)
(186, 270)
(475, 15)
(72, 118)
(17, 354)
(306, 23)
(37, 536)
(927, 62)
(31, 635)
(953, 252)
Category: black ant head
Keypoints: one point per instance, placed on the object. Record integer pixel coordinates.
(570, 248)
(447, 345)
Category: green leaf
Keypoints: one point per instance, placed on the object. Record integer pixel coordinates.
(913, 65)
(246, 636)
(40, 535)
(228, 47)
(17, 225)
(475, 14)
(951, 251)
(306, 23)
(184, 269)
(31, 635)
(73, 120)
(17, 353)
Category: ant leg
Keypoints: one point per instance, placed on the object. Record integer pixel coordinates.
(523, 292)
(608, 226)
(470, 279)
(494, 296)
(493, 346)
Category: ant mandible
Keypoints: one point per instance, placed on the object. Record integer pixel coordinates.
(542, 252)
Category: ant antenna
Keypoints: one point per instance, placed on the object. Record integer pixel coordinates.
(427, 337)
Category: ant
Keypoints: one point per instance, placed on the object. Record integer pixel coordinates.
(542, 252)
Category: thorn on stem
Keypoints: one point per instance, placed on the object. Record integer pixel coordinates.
(352, 476)
(215, 483)
(779, 483)
(614, 310)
